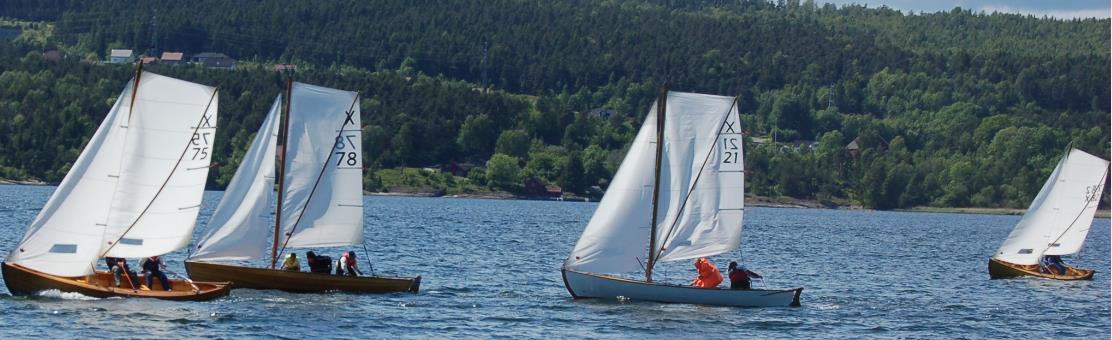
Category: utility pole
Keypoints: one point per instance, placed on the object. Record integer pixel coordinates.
(483, 65)
(154, 31)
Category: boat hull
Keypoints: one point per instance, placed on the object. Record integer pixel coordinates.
(298, 282)
(998, 269)
(24, 281)
(587, 285)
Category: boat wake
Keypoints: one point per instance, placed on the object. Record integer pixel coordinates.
(60, 295)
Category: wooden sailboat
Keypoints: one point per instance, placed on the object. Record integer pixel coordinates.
(319, 198)
(134, 192)
(1057, 221)
(693, 209)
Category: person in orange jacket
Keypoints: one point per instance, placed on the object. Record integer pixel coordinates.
(709, 276)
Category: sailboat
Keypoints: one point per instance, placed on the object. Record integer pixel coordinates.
(1057, 221)
(319, 198)
(677, 200)
(135, 191)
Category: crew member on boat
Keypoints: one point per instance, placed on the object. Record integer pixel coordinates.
(740, 277)
(709, 276)
(318, 263)
(291, 263)
(347, 265)
(1054, 261)
(119, 267)
(153, 267)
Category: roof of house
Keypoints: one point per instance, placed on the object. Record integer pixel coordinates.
(121, 53)
(148, 60)
(172, 56)
(853, 145)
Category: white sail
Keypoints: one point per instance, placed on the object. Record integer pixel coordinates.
(65, 238)
(164, 168)
(1058, 219)
(618, 234)
(324, 171)
(241, 220)
(701, 140)
(706, 193)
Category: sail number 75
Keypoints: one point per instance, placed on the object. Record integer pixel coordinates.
(342, 156)
(728, 144)
(200, 145)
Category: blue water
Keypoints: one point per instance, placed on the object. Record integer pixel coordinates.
(490, 268)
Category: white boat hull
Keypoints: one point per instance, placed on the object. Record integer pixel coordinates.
(587, 285)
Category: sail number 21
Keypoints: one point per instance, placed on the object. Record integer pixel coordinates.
(730, 143)
(348, 157)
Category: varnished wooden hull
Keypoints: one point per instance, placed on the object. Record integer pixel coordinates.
(299, 282)
(1001, 270)
(588, 285)
(23, 281)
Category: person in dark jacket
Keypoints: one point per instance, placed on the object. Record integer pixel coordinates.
(318, 263)
(153, 267)
(740, 277)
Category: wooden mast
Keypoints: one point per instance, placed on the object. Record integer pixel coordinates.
(283, 135)
(134, 91)
(661, 101)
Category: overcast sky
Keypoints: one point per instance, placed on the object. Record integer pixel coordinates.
(1063, 9)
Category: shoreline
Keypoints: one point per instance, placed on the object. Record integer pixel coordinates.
(752, 201)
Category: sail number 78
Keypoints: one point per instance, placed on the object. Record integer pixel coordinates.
(342, 156)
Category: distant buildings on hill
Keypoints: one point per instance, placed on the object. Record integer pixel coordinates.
(210, 60)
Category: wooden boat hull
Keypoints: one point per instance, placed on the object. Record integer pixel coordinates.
(587, 285)
(24, 281)
(298, 282)
(998, 269)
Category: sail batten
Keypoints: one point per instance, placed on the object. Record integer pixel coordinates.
(1059, 217)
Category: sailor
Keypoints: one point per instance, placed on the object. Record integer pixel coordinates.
(1054, 261)
(348, 265)
(119, 267)
(740, 277)
(291, 263)
(318, 263)
(152, 266)
(709, 276)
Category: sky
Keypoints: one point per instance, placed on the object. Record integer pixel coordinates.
(1062, 9)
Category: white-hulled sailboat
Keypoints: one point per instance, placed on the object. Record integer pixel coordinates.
(134, 192)
(319, 204)
(1057, 221)
(683, 199)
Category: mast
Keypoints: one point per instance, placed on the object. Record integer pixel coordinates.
(283, 132)
(134, 90)
(661, 101)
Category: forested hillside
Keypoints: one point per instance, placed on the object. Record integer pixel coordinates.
(949, 109)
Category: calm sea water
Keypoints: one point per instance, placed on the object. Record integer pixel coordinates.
(490, 269)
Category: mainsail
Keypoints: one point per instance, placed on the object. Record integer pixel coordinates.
(134, 146)
(1058, 219)
(701, 198)
(242, 218)
(324, 171)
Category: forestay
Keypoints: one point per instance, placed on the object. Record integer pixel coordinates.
(324, 175)
(241, 220)
(1059, 218)
(65, 237)
(164, 168)
(701, 198)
